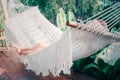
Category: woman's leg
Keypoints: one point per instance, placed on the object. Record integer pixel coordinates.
(27, 50)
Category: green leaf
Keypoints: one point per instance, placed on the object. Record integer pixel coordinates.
(92, 65)
(117, 65)
(78, 65)
(107, 69)
(94, 70)
(114, 29)
(61, 20)
(113, 73)
(71, 17)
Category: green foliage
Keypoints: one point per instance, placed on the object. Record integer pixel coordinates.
(81, 8)
(94, 70)
(67, 5)
(99, 70)
(51, 10)
(87, 8)
(78, 65)
(115, 71)
(50, 7)
(114, 29)
(70, 16)
(62, 18)
(1, 20)
(29, 2)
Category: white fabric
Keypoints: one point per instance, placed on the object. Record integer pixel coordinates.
(111, 54)
(84, 46)
(30, 28)
(55, 58)
(89, 40)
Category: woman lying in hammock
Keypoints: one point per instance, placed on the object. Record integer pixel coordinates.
(39, 46)
(28, 50)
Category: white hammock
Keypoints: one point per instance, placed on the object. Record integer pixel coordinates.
(30, 28)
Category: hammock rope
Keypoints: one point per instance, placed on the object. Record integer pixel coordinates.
(102, 13)
(112, 15)
(106, 15)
